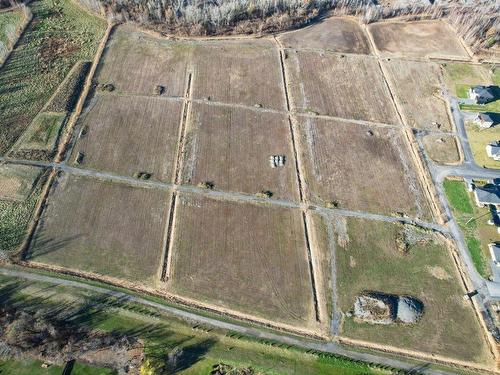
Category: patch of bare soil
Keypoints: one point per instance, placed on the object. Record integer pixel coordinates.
(53, 48)
(438, 272)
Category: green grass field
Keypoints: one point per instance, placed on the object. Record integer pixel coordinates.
(473, 222)
(202, 348)
(15, 217)
(371, 260)
(34, 367)
(478, 140)
(9, 23)
(51, 44)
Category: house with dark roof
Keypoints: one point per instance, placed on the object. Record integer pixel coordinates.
(481, 94)
(487, 195)
(484, 120)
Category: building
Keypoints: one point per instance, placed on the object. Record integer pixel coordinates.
(493, 150)
(495, 253)
(481, 94)
(487, 195)
(484, 120)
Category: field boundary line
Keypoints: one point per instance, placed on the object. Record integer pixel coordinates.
(170, 230)
(66, 137)
(468, 286)
(294, 137)
(23, 249)
(174, 298)
(414, 151)
(435, 358)
(223, 195)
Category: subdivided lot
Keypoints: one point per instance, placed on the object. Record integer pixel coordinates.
(243, 72)
(129, 135)
(460, 76)
(135, 62)
(337, 34)
(417, 39)
(50, 45)
(478, 139)
(359, 167)
(231, 148)
(249, 258)
(417, 90)
(370, 257)
(20, 189)
(350, 87)
(111, 229)
(442, 149)
(474, 223)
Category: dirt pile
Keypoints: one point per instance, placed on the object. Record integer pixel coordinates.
(381, 308)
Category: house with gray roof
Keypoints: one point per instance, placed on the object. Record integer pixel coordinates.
(495, 253)
(484, 120)
(493, 150)
(487, 195)
(481, 94)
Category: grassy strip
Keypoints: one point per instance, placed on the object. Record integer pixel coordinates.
(15, 217)
(464, 213)
(59, 35)
(9, 23)
(458, 196)
(201, 348)
(34, 367)
(67, 94)
(490, 107)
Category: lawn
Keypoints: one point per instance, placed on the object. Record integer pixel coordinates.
(9, 23)
(473, 222)
(15, 217)
(369, 258)
(201, 348)
(478, 139)
(34, 367)
(52, 43)
(460, 77)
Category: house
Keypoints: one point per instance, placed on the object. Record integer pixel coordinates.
(487, 195)
(493, 150)
(495, 253)
(481, 94)
(484, 120)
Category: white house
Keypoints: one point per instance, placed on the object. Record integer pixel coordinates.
(484, 120)
(495, 253)
(481, 94)
(486, 196)
(493, 150)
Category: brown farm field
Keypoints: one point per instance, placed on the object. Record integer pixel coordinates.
(417, 39)
(245, 72)
(134, 62)
(368, 258)
(339, 34)
(350, 87)
(129, 134)
(417, 90)
(442, 149)
(231, 147)
(110, 229)
(360, 168)
(249, 258)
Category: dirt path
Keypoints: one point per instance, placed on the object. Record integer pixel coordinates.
(328, 347)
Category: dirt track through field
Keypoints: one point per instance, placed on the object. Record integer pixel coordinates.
(167, 252)
(293, 134)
